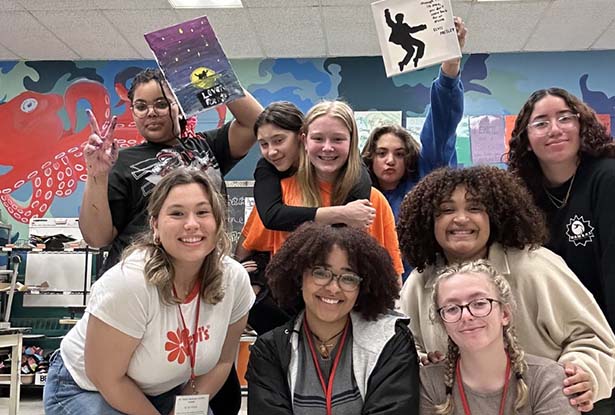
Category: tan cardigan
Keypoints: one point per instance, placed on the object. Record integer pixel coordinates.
(556, 316)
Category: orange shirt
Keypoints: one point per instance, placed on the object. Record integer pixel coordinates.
(259, 238)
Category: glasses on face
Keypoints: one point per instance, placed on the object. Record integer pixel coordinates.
(141, 109)
(564, 120)
(347, 281)
(481, 307)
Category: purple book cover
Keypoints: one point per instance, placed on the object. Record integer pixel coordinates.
(195, 65)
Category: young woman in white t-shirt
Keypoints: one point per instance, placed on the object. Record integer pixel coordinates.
(166, 320)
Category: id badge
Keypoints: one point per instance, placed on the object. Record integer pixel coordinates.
(191, 404)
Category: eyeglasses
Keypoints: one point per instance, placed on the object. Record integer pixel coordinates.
(481, 307)
(347, 281)
(160, 107)
(565, 120)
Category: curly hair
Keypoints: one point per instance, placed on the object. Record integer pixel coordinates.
(514, 219)
(513, 347)
(311, 243)
(412, 148)
(595, 140)
(159, 269)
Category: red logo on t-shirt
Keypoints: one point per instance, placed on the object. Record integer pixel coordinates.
(179, 343)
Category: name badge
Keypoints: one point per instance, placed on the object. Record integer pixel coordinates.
(191, 404)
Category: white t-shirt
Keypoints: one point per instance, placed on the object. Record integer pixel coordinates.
(124, 300)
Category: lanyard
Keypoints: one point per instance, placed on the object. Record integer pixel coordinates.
(328, 388)
(464, 400)
(191, 352)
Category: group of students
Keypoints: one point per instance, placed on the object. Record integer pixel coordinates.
(500, 263)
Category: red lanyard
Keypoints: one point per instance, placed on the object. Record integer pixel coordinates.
(328, 388)
(191, 352)
(464, 400)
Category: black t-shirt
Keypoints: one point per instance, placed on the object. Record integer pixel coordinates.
(583, 231)
(138, 169)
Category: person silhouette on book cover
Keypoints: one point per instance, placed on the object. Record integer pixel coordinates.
(401, 34)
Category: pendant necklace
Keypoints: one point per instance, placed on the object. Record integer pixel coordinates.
(556, 201)
(324, 346)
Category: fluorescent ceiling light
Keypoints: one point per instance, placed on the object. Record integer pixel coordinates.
(203, 4)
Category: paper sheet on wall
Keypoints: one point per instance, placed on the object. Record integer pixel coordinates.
(195, 65)
(415, 125)
(462, 145)
(368, 120)
(487, 137)
(248, 206)
(414, 34)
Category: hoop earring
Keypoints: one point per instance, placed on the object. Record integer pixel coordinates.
(156, 239)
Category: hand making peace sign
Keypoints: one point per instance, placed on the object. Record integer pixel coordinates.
(101, 150)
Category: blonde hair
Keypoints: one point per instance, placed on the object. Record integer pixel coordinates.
(348, 175)
(513, 348)
(159, 269)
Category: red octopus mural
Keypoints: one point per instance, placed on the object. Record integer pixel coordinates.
(40, 151)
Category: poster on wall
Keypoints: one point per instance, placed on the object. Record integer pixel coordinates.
(415, 125)
(487, 138)
(414, 34)
(368, 120)
(462, 144)
(195, 65)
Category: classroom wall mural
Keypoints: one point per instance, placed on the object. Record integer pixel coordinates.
(43, 124)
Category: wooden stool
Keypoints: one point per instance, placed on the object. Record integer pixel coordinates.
(14, 341)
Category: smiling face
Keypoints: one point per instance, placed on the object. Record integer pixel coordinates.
(560, 142)
(389, 163)
(156, 126)
(473, 334)
(278, 146)
(462, 227)
(327, 145)
(186, 227)
(328, 306)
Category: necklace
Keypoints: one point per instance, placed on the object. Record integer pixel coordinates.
(324, 346)
(556, 201)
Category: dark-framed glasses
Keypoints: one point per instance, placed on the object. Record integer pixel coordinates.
(347, 281)
(140, 108)
(563, 120)
(481, 307)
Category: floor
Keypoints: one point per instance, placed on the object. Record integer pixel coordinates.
(32, 402)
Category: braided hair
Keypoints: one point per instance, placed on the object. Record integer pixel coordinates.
(511, 343)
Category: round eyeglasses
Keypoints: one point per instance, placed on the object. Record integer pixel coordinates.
(347, 281)
(481, 307)
(543, 126)
(161, 107)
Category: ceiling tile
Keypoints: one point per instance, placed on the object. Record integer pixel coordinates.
(289, 32)
(54, 5)
(502, 27)
(133, 24)
(7, 55)
(236, 43)
(279, 3)
(29, 39)
(581, 29)
(9, 5)
(350, 31)
(91, 35)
